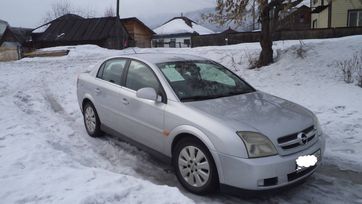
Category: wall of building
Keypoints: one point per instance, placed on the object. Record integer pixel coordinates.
(141, 36)
(179, 42)
(339, 16)
(322, 19)
(340, 11)
(9, 54)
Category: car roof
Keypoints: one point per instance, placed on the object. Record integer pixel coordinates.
(156, 58)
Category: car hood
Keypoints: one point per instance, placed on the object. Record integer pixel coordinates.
(257, 111)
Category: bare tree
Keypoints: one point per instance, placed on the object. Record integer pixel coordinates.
(268, 11)
(109, 12)
(64, 7)
(58, 9)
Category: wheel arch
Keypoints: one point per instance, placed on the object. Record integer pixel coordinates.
(187, 131)
(87, 99)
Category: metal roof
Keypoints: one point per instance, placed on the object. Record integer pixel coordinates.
(72, 28)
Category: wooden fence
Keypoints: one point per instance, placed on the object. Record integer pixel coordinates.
(245, 37)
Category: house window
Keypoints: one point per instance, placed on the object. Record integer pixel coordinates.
(315, 23)
(354, 18)
(187, 42)
(173, 42)
(159, 43)
(315, 2)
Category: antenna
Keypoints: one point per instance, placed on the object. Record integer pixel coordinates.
(134, 50)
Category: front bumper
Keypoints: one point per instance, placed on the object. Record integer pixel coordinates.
(268, 172)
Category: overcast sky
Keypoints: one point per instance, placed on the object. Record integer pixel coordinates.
(29, 13)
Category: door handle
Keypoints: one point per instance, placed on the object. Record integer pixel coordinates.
(98, 90)
(125, 101)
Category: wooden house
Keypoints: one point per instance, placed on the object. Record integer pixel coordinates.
(139, 32)
(295, 19)
(107, 32)
(336, 13)
(13, 41)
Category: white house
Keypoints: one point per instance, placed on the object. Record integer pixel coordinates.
(177, 32)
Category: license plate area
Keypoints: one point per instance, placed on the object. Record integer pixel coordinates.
(316, 154)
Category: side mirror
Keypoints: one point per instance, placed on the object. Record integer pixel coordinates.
(147, 93)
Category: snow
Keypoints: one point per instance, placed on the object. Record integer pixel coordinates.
(177, 26)
(42, 28)
(46, 155)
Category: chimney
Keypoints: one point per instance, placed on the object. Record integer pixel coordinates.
(117, 12)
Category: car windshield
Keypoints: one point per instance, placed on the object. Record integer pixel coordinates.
(201, 80)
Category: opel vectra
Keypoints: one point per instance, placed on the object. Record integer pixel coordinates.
(217, 131)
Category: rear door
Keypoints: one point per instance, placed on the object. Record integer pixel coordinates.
(107, 92)
(144, 118)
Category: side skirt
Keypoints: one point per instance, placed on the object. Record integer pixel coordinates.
(118, 136)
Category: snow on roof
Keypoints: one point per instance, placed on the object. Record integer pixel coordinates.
(42, 28)
(179, 25)
(304, 3)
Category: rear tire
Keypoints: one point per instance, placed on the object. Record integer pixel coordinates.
(91, 120)
(194, 166)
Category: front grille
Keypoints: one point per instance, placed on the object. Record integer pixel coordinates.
(292, 141)
(297, 174)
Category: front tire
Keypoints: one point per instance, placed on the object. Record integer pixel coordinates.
(91, 120)
(194, 166)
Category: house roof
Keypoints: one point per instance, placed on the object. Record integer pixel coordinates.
(21, 34)
(3, 26)
(73, 28)
(319, 9)
(181, 25)
(229, 31)
(138, 21)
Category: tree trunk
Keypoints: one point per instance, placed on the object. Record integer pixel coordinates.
(266, 41)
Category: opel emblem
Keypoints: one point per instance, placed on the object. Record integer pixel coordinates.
(303, 139)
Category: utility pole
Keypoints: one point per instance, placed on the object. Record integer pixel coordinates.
(117, 12)
(253, 15)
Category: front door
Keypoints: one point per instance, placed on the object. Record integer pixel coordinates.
(145, 118)
(107, 92)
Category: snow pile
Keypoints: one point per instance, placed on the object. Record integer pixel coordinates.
(179, 26)
(46, 155)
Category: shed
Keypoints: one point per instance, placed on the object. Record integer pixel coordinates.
(70, 29)
(139, 32)
(13, 41)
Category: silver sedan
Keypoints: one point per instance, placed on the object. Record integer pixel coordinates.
(217, 131)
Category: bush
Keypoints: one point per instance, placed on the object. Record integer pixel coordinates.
(359, 70)
(352, 68)
(252, 60)
(301, 50)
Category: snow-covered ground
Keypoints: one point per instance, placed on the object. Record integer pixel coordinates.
(47, 157)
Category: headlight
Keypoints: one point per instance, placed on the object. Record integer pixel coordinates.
(257, 144)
